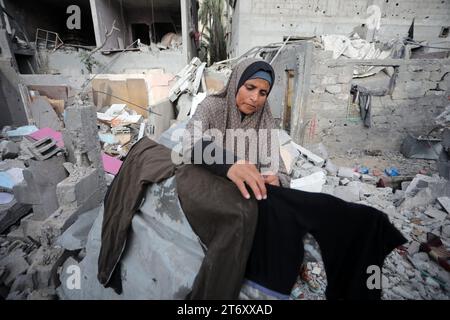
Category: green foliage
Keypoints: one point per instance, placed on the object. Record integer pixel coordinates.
(89, 61)
(213, 40)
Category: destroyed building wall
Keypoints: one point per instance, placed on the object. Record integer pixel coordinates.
(288, 96)
(258, 22)
(72, 63)
(51, 15)
(146, 21)
(105, 13)
(420, 93)
(11, 108)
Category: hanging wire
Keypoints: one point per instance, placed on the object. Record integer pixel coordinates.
(84, 86)
(132, 103)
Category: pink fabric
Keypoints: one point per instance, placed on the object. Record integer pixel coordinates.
(111, 164)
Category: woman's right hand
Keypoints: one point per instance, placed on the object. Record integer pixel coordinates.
(244, 172)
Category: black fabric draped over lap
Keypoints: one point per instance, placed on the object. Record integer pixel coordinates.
(351, 238)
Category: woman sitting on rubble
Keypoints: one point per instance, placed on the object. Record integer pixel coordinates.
(268, 250)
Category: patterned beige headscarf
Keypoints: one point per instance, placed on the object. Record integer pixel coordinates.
(220, 112)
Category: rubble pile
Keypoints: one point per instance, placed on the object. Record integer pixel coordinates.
(417, 208)
(120, 128)
(48, 179)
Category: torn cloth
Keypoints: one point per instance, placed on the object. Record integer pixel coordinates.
(147, 162)
(364, 97)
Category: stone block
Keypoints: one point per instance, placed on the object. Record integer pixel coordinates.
(78, 188)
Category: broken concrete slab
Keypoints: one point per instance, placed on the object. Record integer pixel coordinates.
(445, 203)
(166, 237)
(80, 188)
(318, 161)
(75, 237)
(423, 198)
(311, 183)
(421, 181)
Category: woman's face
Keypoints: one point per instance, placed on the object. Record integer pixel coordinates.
(252, 95)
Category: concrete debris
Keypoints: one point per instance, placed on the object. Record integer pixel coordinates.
(15, 265)
(43, 149)
(12, 212)
(56, 169)
(348, 193)
(8, 150)
(311, 183)
(39, 185)
(421, 148)
(417, 208)
(318, 161)
(445, 203)
(75, 237)
(348, 173)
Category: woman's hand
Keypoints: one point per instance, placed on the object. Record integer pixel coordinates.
(271, 179)
(244, 172)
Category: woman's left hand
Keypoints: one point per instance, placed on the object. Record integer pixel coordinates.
(271, 179)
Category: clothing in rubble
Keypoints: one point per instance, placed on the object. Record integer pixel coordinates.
(351, 238)
(147, 162)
